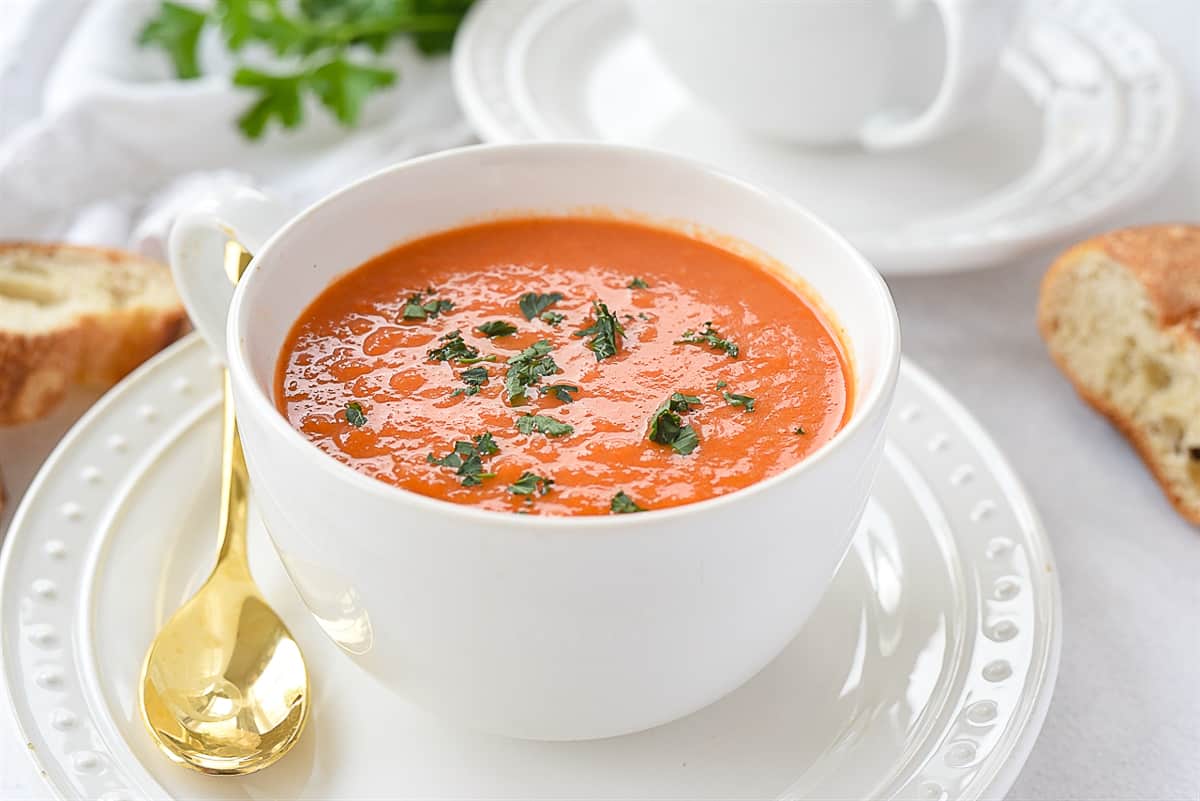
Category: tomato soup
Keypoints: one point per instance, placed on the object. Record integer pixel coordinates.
(567, 366)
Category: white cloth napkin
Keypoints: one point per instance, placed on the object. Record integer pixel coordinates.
(115, 144)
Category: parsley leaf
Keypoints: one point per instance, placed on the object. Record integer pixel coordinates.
(638, 283)
(456, 350)
(531, 484)
(496, 328)
(605, 333)
(622, 504)
(722, 384)
(552, 317)
(799, 430)
(745, 401)
(176, 29)
(560, 391)
(678, 402)
(486, 445)
(667, 428)
(533, 304)
(343, 87)
(527, 368)
(711, 337)
(543, 424)
(474, 378)
(355, 415)
(279, 97)
(466, 459)
(418, 308)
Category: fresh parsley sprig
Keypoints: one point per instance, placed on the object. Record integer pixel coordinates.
(711, 337)
(527, 369)
(355, 415)
(544, 424)
(496, 328)
(532, 304)
(734, 399)
(605, 332)
(561, 392)
(418, 308)
(667, 427)
(327, 41)
(530, 484)
(456, 350)
(466, 459)
(622, 504)
(474, 378)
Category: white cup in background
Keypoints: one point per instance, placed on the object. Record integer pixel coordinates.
(882, 73)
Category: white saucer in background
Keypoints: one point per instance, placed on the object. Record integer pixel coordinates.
(1085, 121)
(924, 673)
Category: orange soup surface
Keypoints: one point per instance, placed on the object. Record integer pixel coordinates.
(566, 366)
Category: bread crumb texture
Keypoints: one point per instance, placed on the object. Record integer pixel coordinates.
(77, 315)
(1120, 314)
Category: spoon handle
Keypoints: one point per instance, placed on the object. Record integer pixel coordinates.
(235, 490)
(235, 482)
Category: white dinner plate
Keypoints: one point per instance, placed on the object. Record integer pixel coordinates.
(1084, 121)
(925, 672)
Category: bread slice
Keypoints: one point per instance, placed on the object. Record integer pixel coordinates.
(76, 315)
(1121, 316)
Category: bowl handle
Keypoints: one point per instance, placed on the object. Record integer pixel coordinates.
(196, 250)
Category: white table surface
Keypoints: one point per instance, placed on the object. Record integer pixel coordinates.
(1125, 719)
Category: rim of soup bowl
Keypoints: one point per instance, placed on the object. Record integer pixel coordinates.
(866, 407)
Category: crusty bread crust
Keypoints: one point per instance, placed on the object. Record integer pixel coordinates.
(1165, 260)
(96, 349)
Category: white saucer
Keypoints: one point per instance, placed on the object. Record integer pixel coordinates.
(925, 673)
(1084, 121)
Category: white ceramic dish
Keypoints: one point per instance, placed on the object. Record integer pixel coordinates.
(551, 628)
(827, 72)
(924, 673)
(1084, 121)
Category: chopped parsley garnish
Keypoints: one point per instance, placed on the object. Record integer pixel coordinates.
(560, 391)
(622, 504)
(644, 316)
(531, 484)
(638, 283)
(466, 459)
(799, 431)
(552, 317)
(456, 350)
(678, 402)
(527, 368)
(544, 424)
(496, 328)
(474, 378)
(667, 428)
(355, 415)
(418, 308)
(711, 337)
(722, 384)
(532, 304)
(605, 333)
(745, 401)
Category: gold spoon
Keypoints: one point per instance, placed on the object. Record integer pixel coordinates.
(224, 688)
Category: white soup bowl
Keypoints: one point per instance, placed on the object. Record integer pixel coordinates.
(539, 627)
